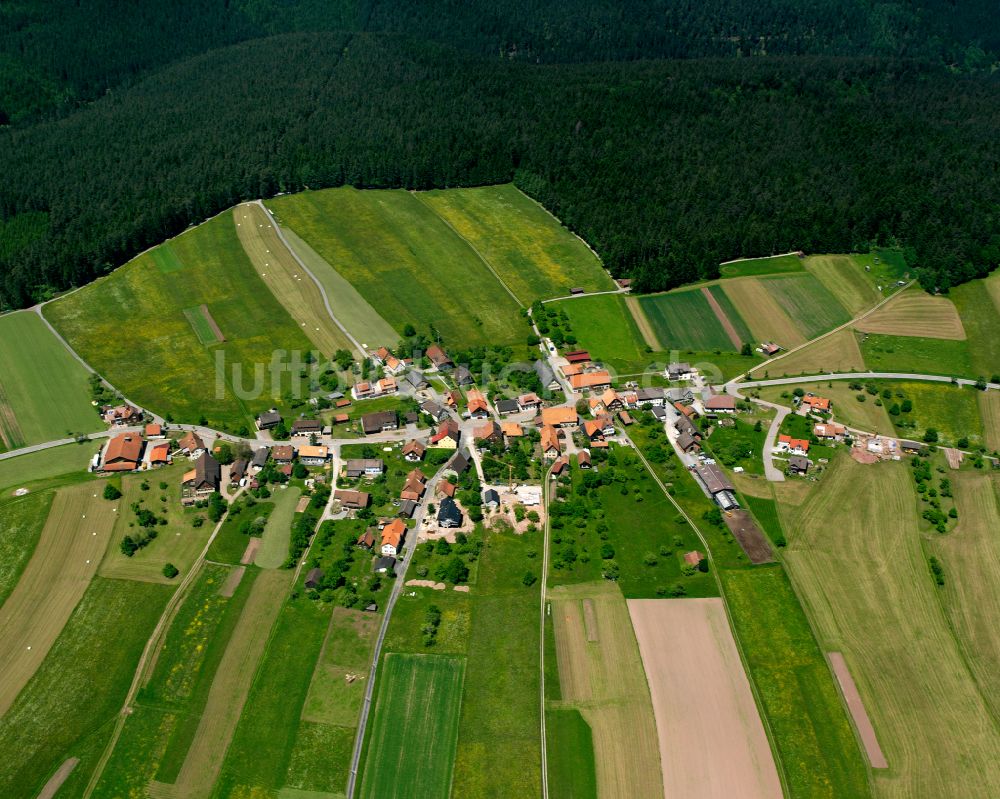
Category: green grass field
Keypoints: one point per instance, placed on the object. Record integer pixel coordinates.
(730, 311)
(648, 542)
(44, 391)
(278, 531)
(68, 707)
(951, 410)
(978, 304)
(766, 512)
(230, 544)
(684, 320)
(21, 523)
(808, 302)
(201, 326)
(164, 365)
(856, 557)
(604, 326)
(532, 253)
(405, 261)
(845, 277)
(414, 727)
(570, 745)
(931, 356)
(68, 463)
(778, 264)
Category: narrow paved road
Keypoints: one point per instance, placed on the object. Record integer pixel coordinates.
(784, 381)
(397, 589)
(586, 294)
(308, 271)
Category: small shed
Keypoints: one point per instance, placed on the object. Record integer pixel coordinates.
(314, 578)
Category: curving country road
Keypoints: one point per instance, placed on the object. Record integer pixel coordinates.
(782, 381)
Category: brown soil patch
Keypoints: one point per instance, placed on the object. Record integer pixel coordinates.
(56, 780)
(954, 457)
(250, 552)
(749, 535)
(641, 322)
(590, 620)
(857, 708)
(861, 455)
(232, 582)
(426, 584)
(303, 504)
(712, 743)
(721, 316)
(461, 588)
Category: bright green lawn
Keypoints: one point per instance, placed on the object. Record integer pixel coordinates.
(604, 326)
(230, 544)
(21, 523)
(130, 326)
(278, 531)
(766, 513)
(414, 727)
(533, 254)
(808, 302)
(818, 751)
(762, 266)
(572, 773)
(405, 261)
(44, 391)
(931, 356)
(684, 320)
(740, 445)
(69, 705)
(980, 313)
(70, 460)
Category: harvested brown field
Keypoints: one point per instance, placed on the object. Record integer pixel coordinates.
(250, 552)
(749, 535)
(642, 322)
(228, 588)
(605, 681)
(230, 689)
(68, 553)
(916, 313)
(838, 352)
(56, 780)
(989, 409)
(720, 314)
(760, 310)
(712, 742)
(288, 281)
(863, 724)
(953, 456)
(845, 278)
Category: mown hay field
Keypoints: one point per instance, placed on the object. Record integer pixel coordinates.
(989, 409)
(729, 311)
(406, 262)
(131, 327)
(838, 352)
(278, 531)
(411, 750)
(970, 556)
(601, 674)
(776, 264)
(69, 706)
(808, 302)
(951, 410)
(21, 523)
(914, 312)
(916, 355)
(858, 564)
(712, 741)
(530, 250)
(762, 312)
(44, 390)
(684, 320)
(845, 278)
(289, 282)
(69, 549)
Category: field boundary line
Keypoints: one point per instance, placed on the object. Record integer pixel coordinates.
(308, 271)
(642, 322)
(779, 763)
(723, 318)
(546, 495)
(471, 246)
(155, 639)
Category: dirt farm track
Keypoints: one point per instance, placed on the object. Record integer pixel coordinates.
(712, 742)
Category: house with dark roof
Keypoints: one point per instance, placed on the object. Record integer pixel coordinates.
(449, 514)
(385, 565)
(238, 469)
(491, 498)
(350, 499)
(407, 508)
(545, 375)
(268, 419)
(306, 427)
(415, 379)
(260, 458)
(204, 479)
(283, 454)
(366, 540)
(798, 465)
(459, 464)
(363, 467)
(435, 410)
(439, 358)
(505, 407)
(413, 451)
(463, 376)
(314, 578)
(379, 422)
(679, 371)
(687, 442)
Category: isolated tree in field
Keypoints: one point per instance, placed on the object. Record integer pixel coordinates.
(747, 349)
(529, 579)
(906, 406)
(607, 551)
(931, 435)
(170, 571)
(757, 426)
(111, 492)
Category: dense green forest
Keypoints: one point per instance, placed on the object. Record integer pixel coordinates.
(666, 165)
